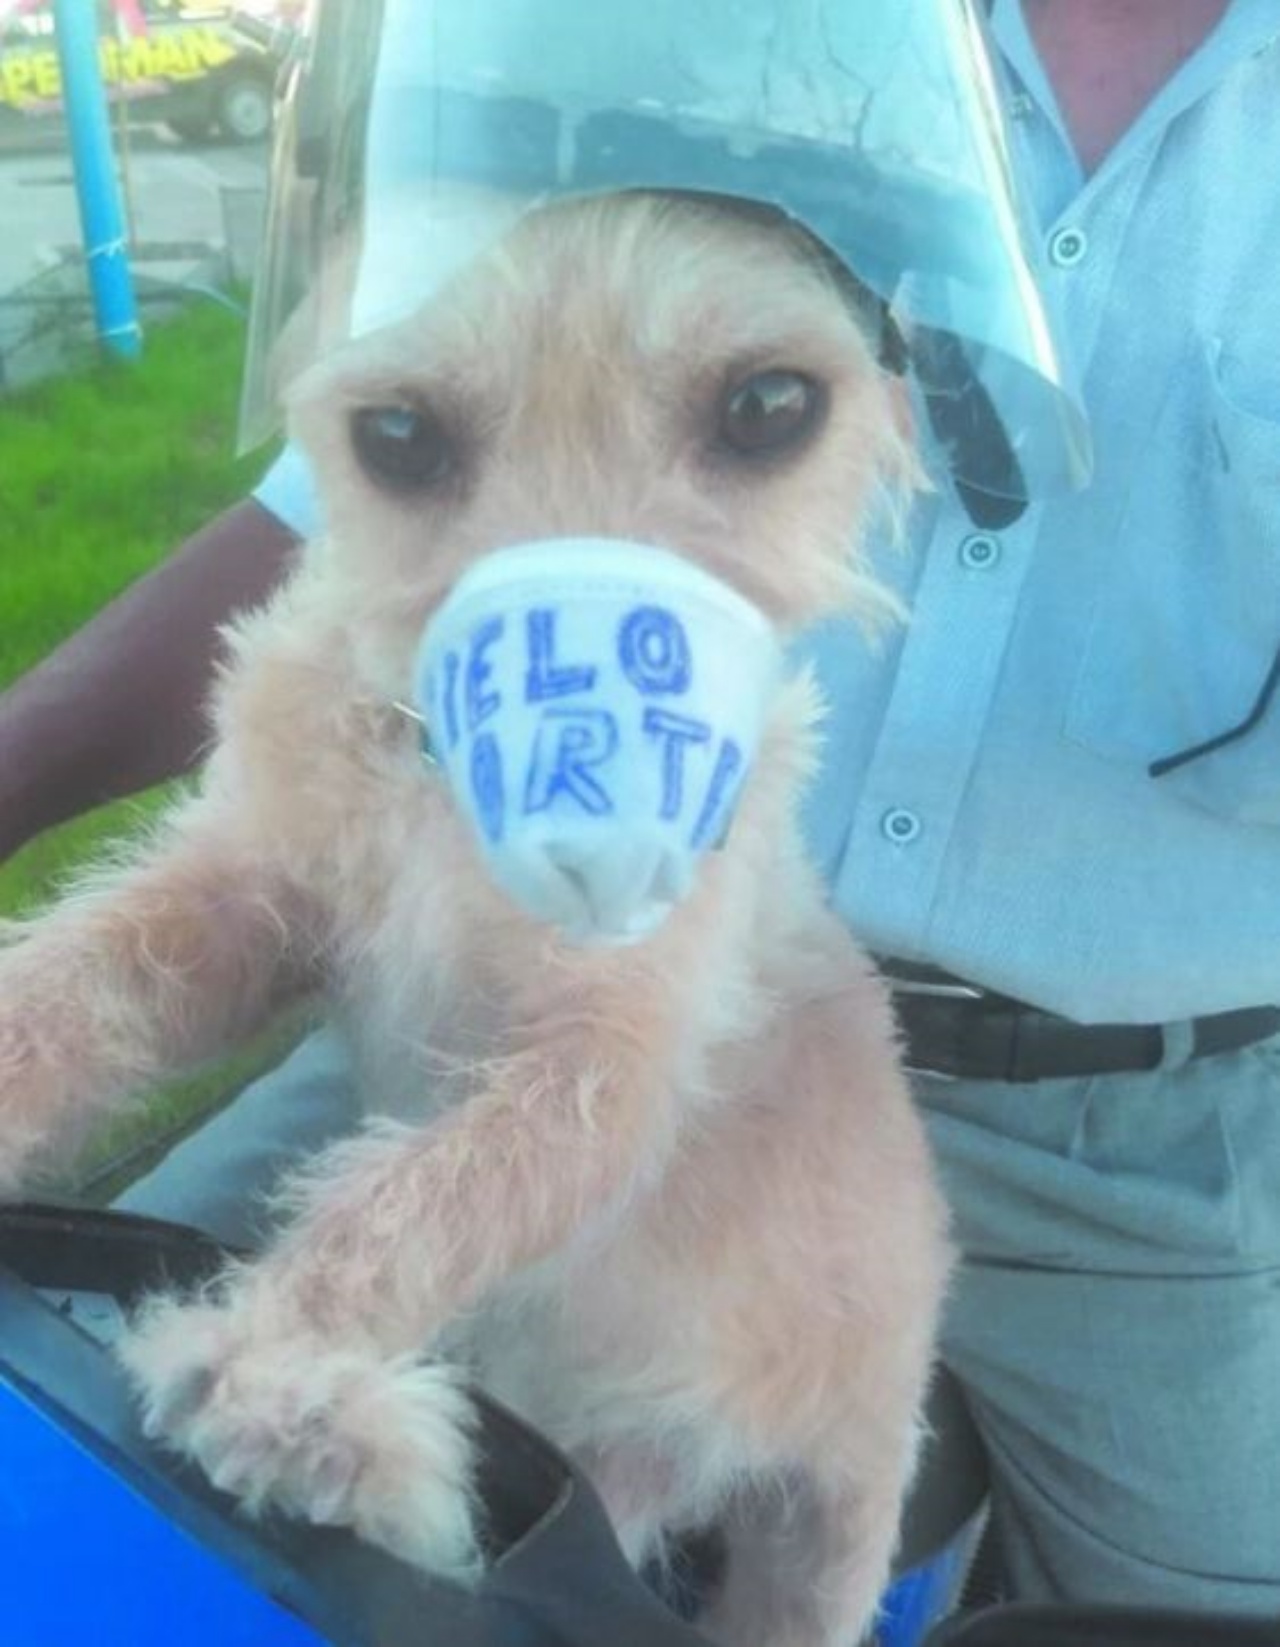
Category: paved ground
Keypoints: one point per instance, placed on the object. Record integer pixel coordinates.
(176, 192)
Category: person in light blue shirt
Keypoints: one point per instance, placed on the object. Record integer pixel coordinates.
(1036, 788)
(1052, 804)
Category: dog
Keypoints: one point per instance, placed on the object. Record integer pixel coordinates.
(670, 1201)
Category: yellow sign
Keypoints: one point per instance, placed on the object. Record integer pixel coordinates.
(29, 76)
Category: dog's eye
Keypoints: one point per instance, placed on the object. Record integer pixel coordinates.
(404, 447)
(770, 412)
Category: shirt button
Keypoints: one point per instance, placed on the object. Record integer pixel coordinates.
(900, 826)
(979, 552)
(1068, 247)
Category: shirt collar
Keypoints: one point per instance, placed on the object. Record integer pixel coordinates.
(1247, 28)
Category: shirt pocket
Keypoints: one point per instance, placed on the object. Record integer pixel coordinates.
(1185, 629)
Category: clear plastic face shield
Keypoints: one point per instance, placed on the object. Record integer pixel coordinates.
(596, 704)
(416, 132)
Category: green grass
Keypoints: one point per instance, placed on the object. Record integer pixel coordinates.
(102, 473)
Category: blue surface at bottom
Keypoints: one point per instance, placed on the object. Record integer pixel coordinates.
(925, 1595)
(89, 1561)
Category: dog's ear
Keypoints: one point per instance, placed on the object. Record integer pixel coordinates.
(892, 352)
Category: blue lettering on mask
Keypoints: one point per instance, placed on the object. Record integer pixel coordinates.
(487, 785)
(452, 666)
(568, 761)
(545, 678)
(678, 732)
(481, 703)
(709, 828)
(570, 743)
(653, 650)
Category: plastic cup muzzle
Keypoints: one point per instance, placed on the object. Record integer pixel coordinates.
(596, 705)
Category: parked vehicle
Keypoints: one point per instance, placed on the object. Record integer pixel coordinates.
(203, 67)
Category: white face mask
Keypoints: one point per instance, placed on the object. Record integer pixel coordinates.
(595, 705)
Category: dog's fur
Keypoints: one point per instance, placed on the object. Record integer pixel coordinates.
(670, 1201)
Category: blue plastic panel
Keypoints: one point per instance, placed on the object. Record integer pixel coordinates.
(88, 1561)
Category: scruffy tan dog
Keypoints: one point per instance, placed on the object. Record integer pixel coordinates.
(670, 1201)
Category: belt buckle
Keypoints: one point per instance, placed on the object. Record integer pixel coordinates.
(941, 989)
(924, 986)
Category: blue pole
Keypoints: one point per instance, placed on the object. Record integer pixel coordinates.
(101, 215)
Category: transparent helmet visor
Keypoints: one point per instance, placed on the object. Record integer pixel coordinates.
(418, 132)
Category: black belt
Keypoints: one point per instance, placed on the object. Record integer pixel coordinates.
(959, 1031)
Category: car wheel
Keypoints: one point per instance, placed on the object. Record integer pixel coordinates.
(244, 108)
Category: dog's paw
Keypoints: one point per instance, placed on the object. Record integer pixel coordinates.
(313, 1429)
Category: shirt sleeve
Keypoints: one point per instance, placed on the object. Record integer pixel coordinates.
(288, 491)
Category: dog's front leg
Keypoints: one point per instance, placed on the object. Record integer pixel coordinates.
(301, 1383)
(401, 1229)
(141, 971)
